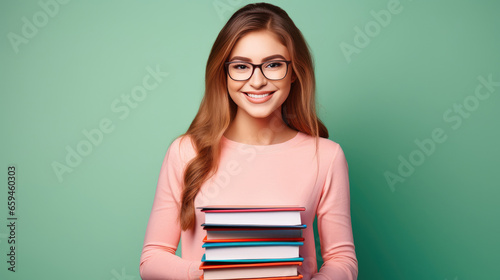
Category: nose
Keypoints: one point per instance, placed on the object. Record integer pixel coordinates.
(257, 80)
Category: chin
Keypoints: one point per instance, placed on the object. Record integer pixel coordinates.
(261, 114)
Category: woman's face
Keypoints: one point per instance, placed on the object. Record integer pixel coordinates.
(259, 97)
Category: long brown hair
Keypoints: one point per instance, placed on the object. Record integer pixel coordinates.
(217, 110)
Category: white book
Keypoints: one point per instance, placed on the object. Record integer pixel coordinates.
(263, 216)
(255, 270)
(251, 250)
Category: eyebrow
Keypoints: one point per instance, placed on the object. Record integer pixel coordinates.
(271, 57)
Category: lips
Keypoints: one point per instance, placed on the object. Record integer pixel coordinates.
(258, 97)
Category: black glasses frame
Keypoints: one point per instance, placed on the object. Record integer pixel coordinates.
(255, 66)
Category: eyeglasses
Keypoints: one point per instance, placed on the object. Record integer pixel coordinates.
(272, 70)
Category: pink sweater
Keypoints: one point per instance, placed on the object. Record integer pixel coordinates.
(288, 173)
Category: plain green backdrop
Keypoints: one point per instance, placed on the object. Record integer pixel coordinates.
(402, 86)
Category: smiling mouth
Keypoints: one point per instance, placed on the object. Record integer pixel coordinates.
(257, 96)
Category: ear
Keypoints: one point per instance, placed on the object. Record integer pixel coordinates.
(294, 77)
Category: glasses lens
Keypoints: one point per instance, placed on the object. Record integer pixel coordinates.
(240, 70)
(274, 70)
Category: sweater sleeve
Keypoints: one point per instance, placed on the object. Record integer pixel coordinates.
(158, 259)
(334, 224)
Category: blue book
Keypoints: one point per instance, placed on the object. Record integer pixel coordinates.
(252, 243)
(233, 234)
(299, 259)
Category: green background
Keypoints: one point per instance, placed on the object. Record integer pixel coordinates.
(441, 222)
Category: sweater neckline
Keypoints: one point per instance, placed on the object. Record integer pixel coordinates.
(264, 148)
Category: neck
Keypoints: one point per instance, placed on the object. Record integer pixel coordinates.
(259, 131)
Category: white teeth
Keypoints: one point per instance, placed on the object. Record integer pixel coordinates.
(258, 95)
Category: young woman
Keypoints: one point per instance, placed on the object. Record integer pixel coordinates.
(256, 140)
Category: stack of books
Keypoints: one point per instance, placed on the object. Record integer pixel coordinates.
(252, 242)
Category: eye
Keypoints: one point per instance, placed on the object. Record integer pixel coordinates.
(240, 66)
(274, 64)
